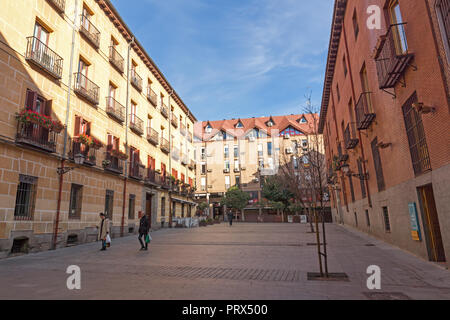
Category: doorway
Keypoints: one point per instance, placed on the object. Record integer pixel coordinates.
(148, 207)
(431, 226)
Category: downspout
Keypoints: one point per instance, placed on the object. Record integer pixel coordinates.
(63, 158)
(122, 225)
(171, 209)
(359, 131)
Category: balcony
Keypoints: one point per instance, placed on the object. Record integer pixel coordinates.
(136, 124)
(237, 169)
(226, 170)
(350, 139)
(86, 88)
(342, 157)
(152, 136)
(115, 109)
(174, 120)
(392, 56)
(152, 97)
(116, 59)
(191, 165)
(182, 129)
(164, 111)
(59, 5)
(89, 31)
(113, 164)
(165, 181)
(364, 112)
(153, 177)
(45, 58)
(37, 136)
(89, 153)
(136, 171)
(184, 159)
(165, 146)
(136, 81)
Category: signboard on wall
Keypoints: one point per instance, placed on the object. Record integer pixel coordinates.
(414, 219)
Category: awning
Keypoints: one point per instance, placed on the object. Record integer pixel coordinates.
(184, 201)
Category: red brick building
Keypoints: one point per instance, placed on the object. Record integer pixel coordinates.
(386, 121)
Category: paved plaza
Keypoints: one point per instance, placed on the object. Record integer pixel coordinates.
(246, 261)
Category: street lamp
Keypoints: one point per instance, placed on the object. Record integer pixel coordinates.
(78, 159)
(346, 170)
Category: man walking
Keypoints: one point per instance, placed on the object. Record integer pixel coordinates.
(230, 217)
(144, 228)
(103, 230)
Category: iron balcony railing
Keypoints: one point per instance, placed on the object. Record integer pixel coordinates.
(136, 124)
(165, 145)
(164, 110)
(136, 171)
(184, 159)
(350, 139)
(364, 111)
(153, 177)
(86, 88)
(392, 56)
(152, 136)
(116, 59)
(113, 164)
(37, 136)
(58, 4)
(45, 58)
(89, 153)
(182, 129)
(165, 181)
(152, 97)
(191, 165)
(136, 80)
(115, 109)
(342, 156)
(174, 120)
(90, 31)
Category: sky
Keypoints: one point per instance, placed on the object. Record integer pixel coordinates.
(236, 58)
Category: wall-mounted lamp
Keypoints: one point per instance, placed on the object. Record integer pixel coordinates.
(422, 108)
(79, 160)
(383, 145)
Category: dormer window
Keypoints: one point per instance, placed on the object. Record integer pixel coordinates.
(208, 128)
(270, 124)
(239, 125)
(303, 120)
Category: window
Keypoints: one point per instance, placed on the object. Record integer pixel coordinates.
(355, 24)
(203, 168)
(163, 206)
(398, 28)
(356, 219)
(109, 203)
(239, 125)
(416, 137)
(261, 163)
(260, 150)
(344, 63)
(203, 183)
(25, 198)
(236, 151)
(269, 148)
(238, 181)
(183, 180)
(203, 152)
(133, 112)
(227, 165)
(131, 206)
(360, 171)
(76, 199)
(387, 224)
(208, 129)
(367, 218)
(236, 164)
(443, 14)
(338, 93)
(226, 152)
(377, 164)
(352, 190)
(303, 120)
(290, 131)
(227, 182)
(295, 162)
(365, 87)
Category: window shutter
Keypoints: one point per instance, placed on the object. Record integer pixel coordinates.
(79, 202)
(48, 108)
(30, 100)
(77, 126)
(88, 128)
(110, 143)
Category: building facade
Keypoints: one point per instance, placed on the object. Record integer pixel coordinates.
(76, 86)
(241, 152)
(386, 121)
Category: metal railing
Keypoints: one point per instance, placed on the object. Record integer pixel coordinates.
(165, 145)
(58, 4)
(174, 120)
(164, 110)
(152, 97)
(136, 170)
(116, 59)
(136, 80)
(89, 153)
(115, 109)
(86, 88)
(153, 177)
(136, 124)
(36, 136)
(364, 111)
(350, 139)
(183, 129)
(90, 31)
(113, 164)
(152, 136)
(44, 57)
(392, 56)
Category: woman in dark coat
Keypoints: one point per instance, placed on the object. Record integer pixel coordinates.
(144, 228)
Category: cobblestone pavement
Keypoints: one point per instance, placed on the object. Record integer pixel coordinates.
(245, 261)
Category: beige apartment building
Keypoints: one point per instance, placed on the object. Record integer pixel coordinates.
(88, 124)
(240, 152)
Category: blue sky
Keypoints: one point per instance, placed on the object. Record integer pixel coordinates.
(236, 58)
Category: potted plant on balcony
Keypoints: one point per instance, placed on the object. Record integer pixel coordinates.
(106, 163)
(29, 116)
(119, 154)
(84, 139)
(57, 126)
(96, 144)
(92, 158)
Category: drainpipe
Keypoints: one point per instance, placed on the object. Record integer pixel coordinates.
(69, 91)
(170, 159)
(122, 225)
(359, 131)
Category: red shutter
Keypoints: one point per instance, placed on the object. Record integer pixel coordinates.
(137, 157)
(48, 108)
(77, 126)
(110, 143)
(30, 100)
(88, 128)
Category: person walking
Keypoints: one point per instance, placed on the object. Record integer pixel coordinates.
(230, 217)
(103, 230)
(144, 228)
